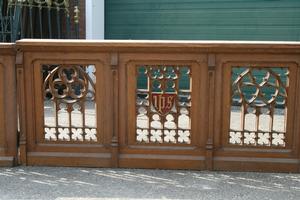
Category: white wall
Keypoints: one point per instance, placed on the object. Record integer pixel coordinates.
(94, 19)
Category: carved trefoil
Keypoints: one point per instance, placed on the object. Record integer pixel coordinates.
(69, 103)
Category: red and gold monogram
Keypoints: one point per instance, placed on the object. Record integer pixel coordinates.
(163, 103)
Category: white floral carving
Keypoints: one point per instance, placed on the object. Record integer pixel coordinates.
(156, 136)
(235, 138)
(170, 136)
(278, 139)
(142, 135)
(91, 134)
(249, 138)
(263, 139)
(64, 134)
(184, 136)
(50, 134)
(77, 134)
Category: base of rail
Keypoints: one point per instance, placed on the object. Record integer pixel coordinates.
(62, 159)
(6, 161)
(256, 164)
(154, 161)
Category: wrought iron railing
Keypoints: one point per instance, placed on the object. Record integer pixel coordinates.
(38, 19)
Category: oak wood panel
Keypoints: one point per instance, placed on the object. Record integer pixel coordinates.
(37, 150)
(129, 149)
(116, 63)
(226, 156)
(2, 127)
(8, 113)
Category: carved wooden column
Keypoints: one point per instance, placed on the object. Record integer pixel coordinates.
(211, 59)
(21, 108)
(297, 117)
(115, 142)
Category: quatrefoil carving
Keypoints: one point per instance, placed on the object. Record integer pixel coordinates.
(69, 83)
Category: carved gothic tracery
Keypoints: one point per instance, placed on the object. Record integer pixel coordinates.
(69, 103)
(258, 106)
(163, 104)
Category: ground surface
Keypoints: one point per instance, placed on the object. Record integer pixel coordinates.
(104, 184)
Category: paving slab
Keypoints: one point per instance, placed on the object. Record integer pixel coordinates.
(57, 183)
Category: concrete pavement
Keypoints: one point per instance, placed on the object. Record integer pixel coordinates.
(124, 184)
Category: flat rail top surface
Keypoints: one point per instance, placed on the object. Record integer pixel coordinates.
(157, 45)
(7, 48)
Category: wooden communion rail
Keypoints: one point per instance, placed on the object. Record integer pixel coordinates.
(151, 104)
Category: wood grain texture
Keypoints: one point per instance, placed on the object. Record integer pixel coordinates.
(116, 63)
(8, 106)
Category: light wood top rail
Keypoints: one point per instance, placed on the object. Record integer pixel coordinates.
(158, 46)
